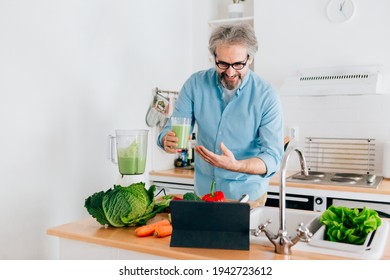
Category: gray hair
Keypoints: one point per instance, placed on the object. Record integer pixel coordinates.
(242, 34)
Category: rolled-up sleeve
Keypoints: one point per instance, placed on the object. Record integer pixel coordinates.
(270, 140)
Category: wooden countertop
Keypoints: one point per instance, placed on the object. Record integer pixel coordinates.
(383, 188)
(88, 230)
(174, 172)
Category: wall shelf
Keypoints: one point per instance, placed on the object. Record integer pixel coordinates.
(214, 23)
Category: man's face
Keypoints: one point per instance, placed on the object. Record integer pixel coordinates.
(231, 54)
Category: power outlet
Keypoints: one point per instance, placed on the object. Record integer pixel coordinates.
(294, 133)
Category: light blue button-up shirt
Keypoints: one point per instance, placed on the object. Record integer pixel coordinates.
(251, 125)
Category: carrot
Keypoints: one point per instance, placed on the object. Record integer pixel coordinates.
(163, 230)
(144, 231)
(149, 229)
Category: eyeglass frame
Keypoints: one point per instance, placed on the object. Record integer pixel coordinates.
(243, 64)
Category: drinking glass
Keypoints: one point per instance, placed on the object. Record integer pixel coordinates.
(182, 129)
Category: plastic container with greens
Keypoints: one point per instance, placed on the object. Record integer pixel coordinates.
(349, 225)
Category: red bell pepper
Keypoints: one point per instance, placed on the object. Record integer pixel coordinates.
(213, 196)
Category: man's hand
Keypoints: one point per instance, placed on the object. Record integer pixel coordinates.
(226, 160)
(169, 142)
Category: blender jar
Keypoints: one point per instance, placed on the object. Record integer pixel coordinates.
(131, 150)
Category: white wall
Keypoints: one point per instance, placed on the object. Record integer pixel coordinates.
(297, 34)
(70, 73)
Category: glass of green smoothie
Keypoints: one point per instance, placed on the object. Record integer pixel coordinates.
(131, 150)
(182, 129)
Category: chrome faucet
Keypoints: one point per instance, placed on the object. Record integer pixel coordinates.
(282, 241)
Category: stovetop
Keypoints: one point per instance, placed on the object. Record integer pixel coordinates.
(337, 179)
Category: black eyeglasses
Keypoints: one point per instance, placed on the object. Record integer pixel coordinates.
(236, 65)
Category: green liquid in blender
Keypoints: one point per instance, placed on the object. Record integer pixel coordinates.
(130, 161)
(131, 165)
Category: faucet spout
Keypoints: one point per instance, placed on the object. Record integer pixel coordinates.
(282, 187)
(281, 240)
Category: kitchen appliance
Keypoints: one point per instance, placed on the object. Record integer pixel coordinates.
(337, 179)
(350, 80)
(128, 150)
(297, 201)
(348, 162)
(321, 203)
(339, 162)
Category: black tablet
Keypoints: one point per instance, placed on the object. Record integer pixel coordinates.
(214, 225)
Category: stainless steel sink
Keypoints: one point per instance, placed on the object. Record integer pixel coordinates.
(373, 249)
(293, 218)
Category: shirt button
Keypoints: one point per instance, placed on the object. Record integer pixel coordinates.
(220, 133)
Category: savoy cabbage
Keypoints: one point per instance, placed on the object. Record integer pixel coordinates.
(125, 206)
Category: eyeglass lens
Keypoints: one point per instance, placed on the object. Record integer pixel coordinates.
(236, 66)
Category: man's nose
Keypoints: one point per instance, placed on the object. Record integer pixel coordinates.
(230, 71)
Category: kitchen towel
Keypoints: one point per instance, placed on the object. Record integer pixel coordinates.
(386, 159)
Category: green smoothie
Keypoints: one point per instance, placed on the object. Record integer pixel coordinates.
(131, 165)
(130, 160)
(182, 132)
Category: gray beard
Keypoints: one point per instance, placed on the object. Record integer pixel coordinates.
(229, 87)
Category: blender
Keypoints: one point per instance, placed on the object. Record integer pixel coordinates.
(130, 147)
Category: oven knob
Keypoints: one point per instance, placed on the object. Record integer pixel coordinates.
(319, 200)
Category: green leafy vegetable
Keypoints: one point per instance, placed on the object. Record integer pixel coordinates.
(125, 206)
(94, 205)
(191, 196)
(348, 225)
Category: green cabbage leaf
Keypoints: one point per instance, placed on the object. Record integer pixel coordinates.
(349, 225)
